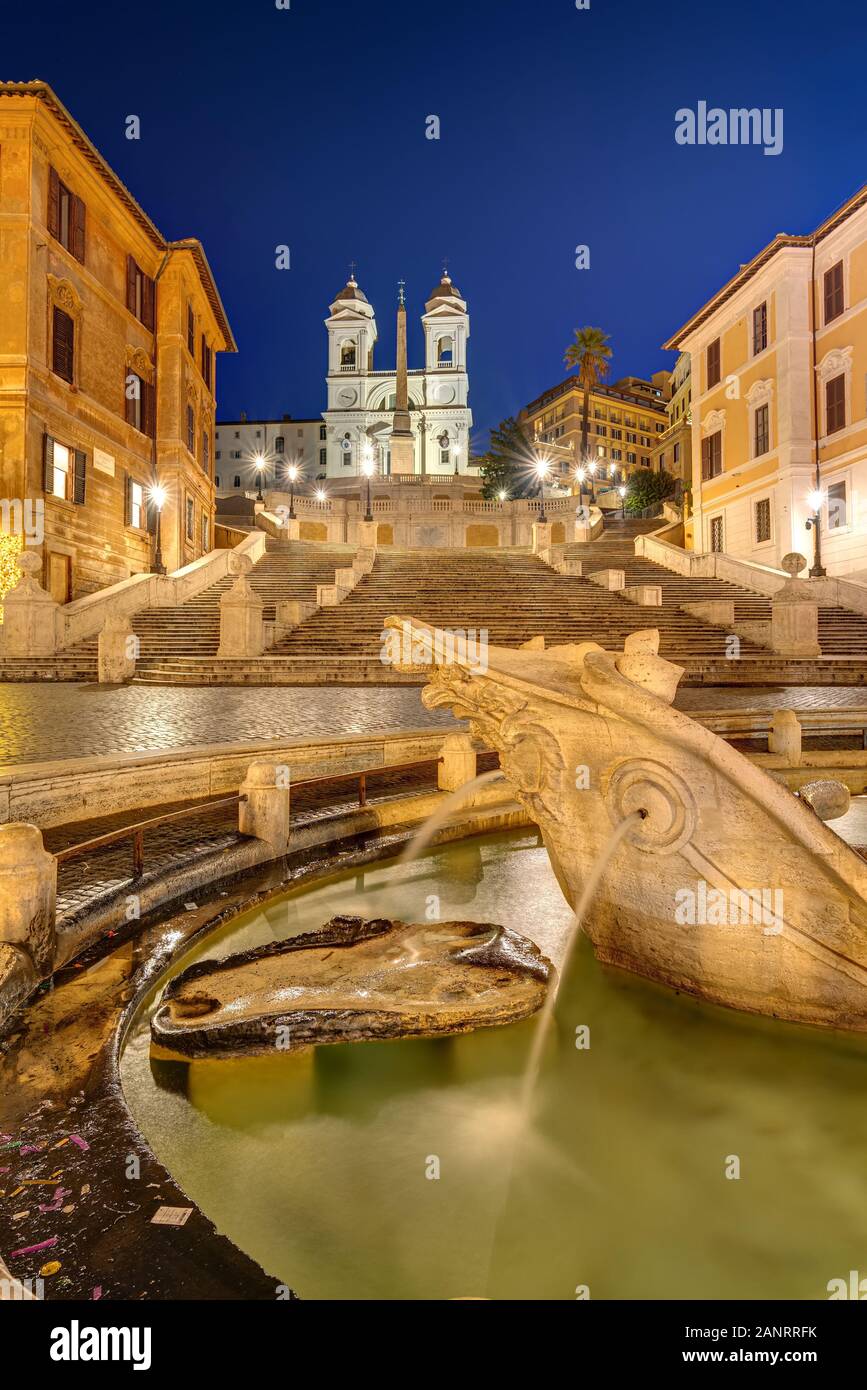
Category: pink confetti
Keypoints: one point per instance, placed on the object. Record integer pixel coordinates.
(97, 1293)
(82, 1143)
(31, 1148)
(60, 1194)
(32, 1249)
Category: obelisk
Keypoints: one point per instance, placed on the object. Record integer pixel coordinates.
(401, 442)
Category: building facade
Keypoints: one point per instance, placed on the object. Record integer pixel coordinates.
(779, 364)
(362, 400)
(626, 421)
(673, 452)
(108, 340)
(250, 451)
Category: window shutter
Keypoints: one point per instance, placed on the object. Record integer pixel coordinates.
(127, 500)
(79, 482)
(150, 516)
(147, 299)
(54, 203)
(128, 401)
(78, 215)
(148, 409)
(63, 344)
(47, 463)
(191, 331)
(131, 269)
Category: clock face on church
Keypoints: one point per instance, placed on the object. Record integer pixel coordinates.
(346, 396)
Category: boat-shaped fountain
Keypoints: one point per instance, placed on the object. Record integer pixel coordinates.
(726, 884)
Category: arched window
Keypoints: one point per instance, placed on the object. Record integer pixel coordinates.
(445, 352)
(347, 354)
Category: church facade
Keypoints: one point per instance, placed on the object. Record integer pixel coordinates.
(366, 407)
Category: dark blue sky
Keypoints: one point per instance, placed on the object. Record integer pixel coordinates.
(307, 127)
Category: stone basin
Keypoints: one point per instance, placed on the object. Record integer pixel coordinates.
(354, 979)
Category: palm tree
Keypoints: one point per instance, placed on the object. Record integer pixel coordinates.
(591, 355)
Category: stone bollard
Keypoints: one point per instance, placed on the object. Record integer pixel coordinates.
(265, 813)
(30, 615)
(785, 736)
(292, 529)
(458, 764)
(289, 613)
(367, 535)
(794, 625)
(28, 889)
(118, 649)
(241, 631)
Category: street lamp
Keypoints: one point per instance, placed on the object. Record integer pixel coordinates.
(259, 462)
(321, 495)
(292, 475)
(622, 491)
(580, 477)
(816, 499)
(158, 498)
(456, 454)
(591, 469)
(367, 468)
(542, 466)
(502, 496)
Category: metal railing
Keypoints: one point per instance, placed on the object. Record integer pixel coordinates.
(136, 832)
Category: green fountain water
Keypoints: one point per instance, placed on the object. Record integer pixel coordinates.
(324, 1167)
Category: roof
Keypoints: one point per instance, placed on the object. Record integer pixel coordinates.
(571, 383)
(781, 241)
(42, 92)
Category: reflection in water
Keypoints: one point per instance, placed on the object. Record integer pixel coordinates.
(316, 1164)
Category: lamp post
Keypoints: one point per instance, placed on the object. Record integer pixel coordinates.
(591, 469)
(367, 467)
(292, 475)
(622, 491)
(158, 497)
(542, 471)
(580, 477)
(456, 454)
(816, 498)
(259, 462)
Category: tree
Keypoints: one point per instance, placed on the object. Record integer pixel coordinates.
(590, 355)
(645, 489)
(508, 464)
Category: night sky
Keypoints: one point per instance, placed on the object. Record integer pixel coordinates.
(307, 127)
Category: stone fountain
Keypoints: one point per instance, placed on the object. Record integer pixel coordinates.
(727, 885)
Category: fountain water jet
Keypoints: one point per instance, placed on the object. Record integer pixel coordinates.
(422, 838)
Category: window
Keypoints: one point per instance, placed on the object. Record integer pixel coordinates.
(347, 356)
(191, 429)
(237, 482)
(218, 453)
(323, 458)
(677, 454)
(322, 432)
(206, 451)
(631, 458)
(834, 292)
(762, 513)
(445, 457)
(835, 404)
(837, 511)
(761, 431)
(139, 401)
(280, 445)
(63, 471)
(445, 352)
(191, 331)
(645, 460)
(760, 328)
(217, 480)
(135, 505)
(207, 363)
(716, 534)
(714, 369)
(190, 518)
(711, 455)
(617, 454)
(139, 293)
(66, 216)
(62, 344)
(206, 533)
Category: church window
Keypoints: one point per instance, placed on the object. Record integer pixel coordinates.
(445, 352)
(347, 355)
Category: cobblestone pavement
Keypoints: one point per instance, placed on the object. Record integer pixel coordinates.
(43, 721)
(770, 697)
